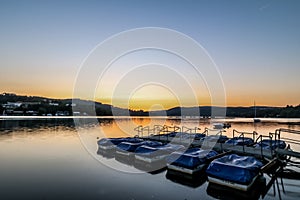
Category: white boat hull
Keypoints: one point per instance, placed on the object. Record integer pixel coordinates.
(107, 148)
(150, 160)
(185, 170)
(121, 153)
(232, 184)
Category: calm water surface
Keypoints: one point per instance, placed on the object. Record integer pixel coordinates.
(54, 159)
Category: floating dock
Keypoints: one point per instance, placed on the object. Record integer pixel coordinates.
(187, 137)
(273, 150)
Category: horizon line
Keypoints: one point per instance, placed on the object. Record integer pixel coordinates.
(137, 109)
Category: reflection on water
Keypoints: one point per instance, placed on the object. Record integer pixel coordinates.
(186, 179)
(45, 159)
(220, 192)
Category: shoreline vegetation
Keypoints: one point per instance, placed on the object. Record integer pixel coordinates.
(20, 105)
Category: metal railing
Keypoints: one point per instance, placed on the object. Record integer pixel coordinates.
(261, 138)
(289, 140)
(243, 133)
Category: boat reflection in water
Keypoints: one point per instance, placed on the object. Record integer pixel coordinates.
(222, 192)
(153, 168)
(192, 181)
(109, 154)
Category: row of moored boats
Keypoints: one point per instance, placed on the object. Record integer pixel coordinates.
(222, 168)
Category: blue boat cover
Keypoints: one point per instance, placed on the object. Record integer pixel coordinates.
(158, 150)
(192, 151)
(240, 141)
(131, 147)
(196, 136)
(234, 168)
(172, 147)
(146, 150)
(191, 158)
(116, 141)
(172, 134)
(271, 144)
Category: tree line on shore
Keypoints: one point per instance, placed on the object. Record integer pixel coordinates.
(11, 104)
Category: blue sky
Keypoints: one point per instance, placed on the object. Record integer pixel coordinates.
(255, 44)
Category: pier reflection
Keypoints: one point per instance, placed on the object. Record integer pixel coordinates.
(284, 184)
(221, 192)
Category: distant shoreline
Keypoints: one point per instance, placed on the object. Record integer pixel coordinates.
(289, 121)
(16, 105)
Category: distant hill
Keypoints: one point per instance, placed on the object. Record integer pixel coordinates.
(12, 104)
(10, 97)
(206, 111)
(262, 111)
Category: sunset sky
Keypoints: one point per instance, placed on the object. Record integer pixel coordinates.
(254, 44)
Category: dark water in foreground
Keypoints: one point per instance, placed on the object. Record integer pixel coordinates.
(53, 159)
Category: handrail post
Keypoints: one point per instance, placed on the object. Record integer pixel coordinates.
(253, 135)
(138, 129)
(261, 146)
(243, 143)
